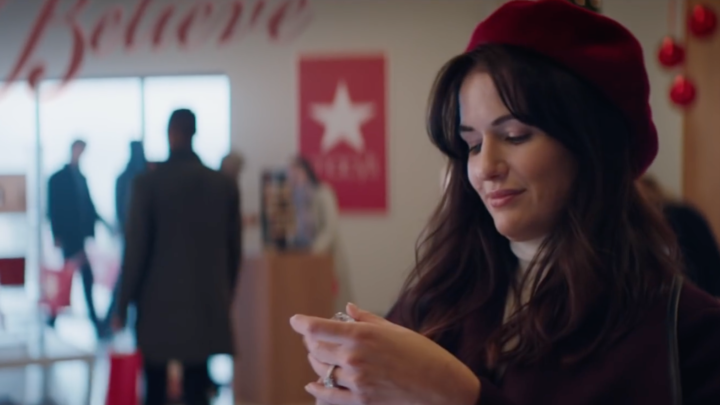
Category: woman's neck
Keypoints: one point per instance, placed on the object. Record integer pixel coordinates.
(525, 251)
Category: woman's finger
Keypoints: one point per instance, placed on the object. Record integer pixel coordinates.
(335, 396)
(323, 329)
(328, 353)
(339, 374)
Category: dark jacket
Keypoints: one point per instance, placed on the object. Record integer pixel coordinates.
(634, 371)
(181, 260)
(70, 208)
(698, 246)
(123, 193)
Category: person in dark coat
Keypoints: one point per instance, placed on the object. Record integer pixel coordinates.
(72, 217)
(180, 265)
(543, 276)
(698, 245)
(123, 192)
(123, 186)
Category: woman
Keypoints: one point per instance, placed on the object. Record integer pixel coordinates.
(699, 248)
(317, 216)
(317, 222)
(543, 276)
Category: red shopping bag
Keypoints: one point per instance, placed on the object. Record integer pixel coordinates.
(123, 387)
(56, 286)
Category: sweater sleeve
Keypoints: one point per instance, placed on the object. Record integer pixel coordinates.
(698, 335)
(491, 395)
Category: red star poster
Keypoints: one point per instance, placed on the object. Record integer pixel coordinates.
(343, 127)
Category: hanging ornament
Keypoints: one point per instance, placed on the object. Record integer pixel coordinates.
(670, 53)
(682, 91)
(702, 21)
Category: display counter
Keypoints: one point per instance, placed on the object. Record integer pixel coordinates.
(271, 366)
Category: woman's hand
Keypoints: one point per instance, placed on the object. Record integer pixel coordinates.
(382, 363)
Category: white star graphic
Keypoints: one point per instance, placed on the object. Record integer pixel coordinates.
(342, 119)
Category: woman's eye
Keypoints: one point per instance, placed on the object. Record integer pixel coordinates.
(518, 139)
(475, 149)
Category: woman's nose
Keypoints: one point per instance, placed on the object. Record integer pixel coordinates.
(489, 164)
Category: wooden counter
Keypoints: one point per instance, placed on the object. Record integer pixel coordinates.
(271, 365)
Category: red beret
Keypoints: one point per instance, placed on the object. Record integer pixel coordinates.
(592, 46)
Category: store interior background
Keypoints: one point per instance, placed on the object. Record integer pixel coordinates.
(251, 87)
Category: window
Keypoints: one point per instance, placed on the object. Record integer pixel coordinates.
(108, 113)
(18, 131)
(207, 96)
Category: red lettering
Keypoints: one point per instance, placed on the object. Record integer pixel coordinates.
(236, 18)
(46, 14)
(37, 71)
(198, 12)
(289, 20)
(78, 47)
(131, 33)
(285, 22)
(110, 20)
(160, 24)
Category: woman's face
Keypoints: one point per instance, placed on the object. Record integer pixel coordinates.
(297, 175)
(522, 175)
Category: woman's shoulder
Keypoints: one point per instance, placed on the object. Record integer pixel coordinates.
(698, 309)
(698, 338)
(325, 192)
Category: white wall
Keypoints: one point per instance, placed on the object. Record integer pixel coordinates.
(647, 19)
(418, 36)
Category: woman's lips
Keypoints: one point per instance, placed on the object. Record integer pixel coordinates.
(501, 198)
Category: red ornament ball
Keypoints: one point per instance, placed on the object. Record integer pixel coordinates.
(683, 91)
(670, 53)
(702, 21)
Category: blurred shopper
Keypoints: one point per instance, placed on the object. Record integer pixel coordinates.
(698, 246)
(316, 217)
(123, 186)
(180, 264)
(72, 220)
(123, 192)
(232, 165)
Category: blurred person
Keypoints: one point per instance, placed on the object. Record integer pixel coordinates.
(180, 265)
(698, 245)
(317, 223)
(137, 164)
(73, 217)
(123, 186)
(543, 276)
(232, 165)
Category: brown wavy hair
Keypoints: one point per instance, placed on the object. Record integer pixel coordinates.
(608, 258)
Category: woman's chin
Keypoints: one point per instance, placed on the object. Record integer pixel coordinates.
(511, 229)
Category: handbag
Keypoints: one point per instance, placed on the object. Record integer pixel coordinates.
(672, 315)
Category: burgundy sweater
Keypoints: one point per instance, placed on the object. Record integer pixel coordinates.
(635, 370)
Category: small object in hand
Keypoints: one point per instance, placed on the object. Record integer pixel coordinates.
(329, 380)
(343, 317)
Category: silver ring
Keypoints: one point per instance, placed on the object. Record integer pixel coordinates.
(329, 380)
(340, 316)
